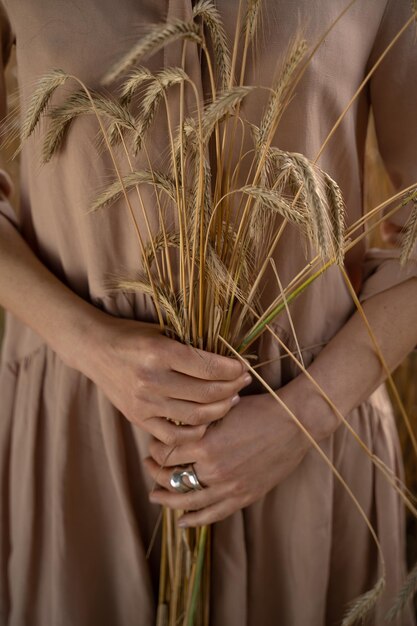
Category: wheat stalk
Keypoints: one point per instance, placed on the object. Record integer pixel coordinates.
(40, 99)
(160, 36)
(406, 593)
(167, 301)
(276, 100)
(250, 23)
(410, 234)
(360, 608)
(114, 192)
(205, 307)
(79, 103)
(207, 10)
(336, 206)
(274, 201)
(135, 80)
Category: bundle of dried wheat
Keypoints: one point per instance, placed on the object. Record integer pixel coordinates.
(222, 210)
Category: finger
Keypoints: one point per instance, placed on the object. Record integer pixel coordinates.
(194, 414)
(164, 455)
(190, 501)
(181, 387)
(161, 475)
(202, 364)
(172, 435)
(213, 513)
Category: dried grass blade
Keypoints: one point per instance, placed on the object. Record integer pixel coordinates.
(113, 192)
(365, 603)
(160, 36)
(360, 608)
(207, 10)
(406, 593)
(40, 99)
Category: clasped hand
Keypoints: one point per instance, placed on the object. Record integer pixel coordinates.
(241, 447)
(238, 460)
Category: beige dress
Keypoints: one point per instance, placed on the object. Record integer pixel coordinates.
(76, 522)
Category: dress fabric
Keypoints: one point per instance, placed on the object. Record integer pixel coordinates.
(76, 521)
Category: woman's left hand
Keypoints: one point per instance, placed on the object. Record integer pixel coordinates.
(239, 459)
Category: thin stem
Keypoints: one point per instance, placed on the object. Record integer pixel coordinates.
(318, 449)
(198, 573)
(131, 212)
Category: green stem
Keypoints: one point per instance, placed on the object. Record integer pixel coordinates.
(259, 328)
(199, 570)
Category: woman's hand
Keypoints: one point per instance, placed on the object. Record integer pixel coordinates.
(150, 377)
(239, 459)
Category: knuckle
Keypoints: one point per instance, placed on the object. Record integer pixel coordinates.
(152, 354)
(146, 376)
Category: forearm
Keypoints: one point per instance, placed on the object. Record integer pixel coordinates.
(348, 368)
(32, 293)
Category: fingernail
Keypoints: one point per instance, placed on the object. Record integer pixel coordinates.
(247, 379)
(182, 523)
(235, 400)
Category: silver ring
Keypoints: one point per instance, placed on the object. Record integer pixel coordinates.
(185, 479)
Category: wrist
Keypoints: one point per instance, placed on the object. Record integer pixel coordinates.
(78, 343)
(310, 407)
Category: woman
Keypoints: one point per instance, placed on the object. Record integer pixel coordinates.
(86, 376)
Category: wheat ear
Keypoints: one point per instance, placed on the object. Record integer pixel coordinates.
(360, 608)
(113, 192)
(160, 36)
(406, 593)
(207, 10)
(410, 235)
(250, 22)
(40, 99)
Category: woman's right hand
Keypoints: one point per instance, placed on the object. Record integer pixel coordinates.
(150, 378)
